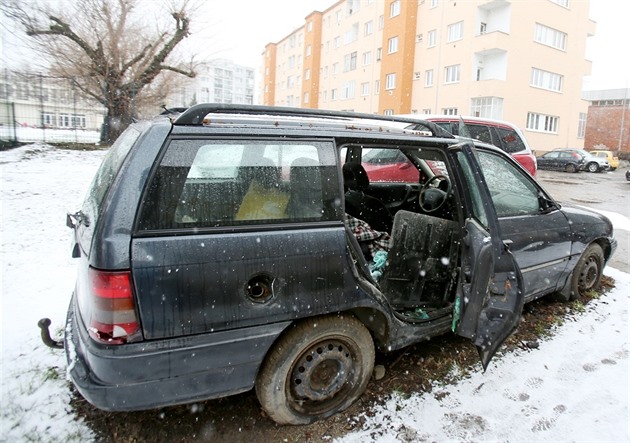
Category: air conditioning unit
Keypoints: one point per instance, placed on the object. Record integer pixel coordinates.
(418, 38)
(416, 75)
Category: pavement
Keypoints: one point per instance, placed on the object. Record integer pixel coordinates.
(605, 191)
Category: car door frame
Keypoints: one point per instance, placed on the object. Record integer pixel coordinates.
(489, 304)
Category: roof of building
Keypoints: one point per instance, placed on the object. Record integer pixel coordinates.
(606, 94)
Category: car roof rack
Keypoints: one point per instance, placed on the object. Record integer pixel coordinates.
(195, 115)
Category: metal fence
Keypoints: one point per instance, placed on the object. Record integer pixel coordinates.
(39, 108)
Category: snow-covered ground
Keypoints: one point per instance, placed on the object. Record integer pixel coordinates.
(26, 134)
(574, 387)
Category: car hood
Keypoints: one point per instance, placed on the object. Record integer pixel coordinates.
(587, 224)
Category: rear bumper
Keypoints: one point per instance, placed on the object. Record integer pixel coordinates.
(166, 372)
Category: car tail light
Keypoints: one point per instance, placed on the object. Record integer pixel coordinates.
(112, 319)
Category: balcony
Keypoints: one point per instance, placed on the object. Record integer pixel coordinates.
(491, 42)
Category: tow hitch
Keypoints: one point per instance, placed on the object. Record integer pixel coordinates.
(44, 324)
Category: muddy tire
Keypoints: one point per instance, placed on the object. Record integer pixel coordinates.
(587, 274)
(318, 368)
(570, 168)
(592, 167)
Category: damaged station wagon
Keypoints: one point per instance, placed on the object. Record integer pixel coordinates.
(230, 248)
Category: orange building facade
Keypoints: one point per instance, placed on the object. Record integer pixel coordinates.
(497, 59)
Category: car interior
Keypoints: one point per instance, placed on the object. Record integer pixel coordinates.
(420, 275)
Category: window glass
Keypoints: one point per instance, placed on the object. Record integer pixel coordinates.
(480, 132)
(512, 142)
(513, 193)
(478, 209)
(230, 183)
(388, 165)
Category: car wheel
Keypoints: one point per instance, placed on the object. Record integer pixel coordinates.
(592, 167)
(570, 168)
(587, 274)
(318, 368)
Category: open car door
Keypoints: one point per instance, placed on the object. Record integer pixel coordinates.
(489, 306)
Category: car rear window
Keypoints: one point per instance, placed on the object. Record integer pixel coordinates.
(207, 184)
(512, 142)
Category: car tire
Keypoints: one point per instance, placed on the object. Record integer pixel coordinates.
(587, 274)
(318, 368)
(571, 168)
(592, 167)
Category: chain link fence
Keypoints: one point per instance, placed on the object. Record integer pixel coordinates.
(39, 108)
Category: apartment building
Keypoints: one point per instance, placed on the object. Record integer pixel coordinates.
(513, 60)
(217, 81)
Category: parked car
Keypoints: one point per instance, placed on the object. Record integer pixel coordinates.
(569, 160)
(608, 155)
(628, 175)
(218, 257)
(500, 133)
(594, 163)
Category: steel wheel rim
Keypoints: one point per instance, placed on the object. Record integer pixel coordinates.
(589, 274)
(321, 376)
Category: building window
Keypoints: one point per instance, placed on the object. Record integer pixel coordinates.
(381, 22)
(455, 31)
(348, 89)
(483, 28)
(379, 54)
(335, 68)
(392, 45)
(333, 94)
(487, 107)
(350, 62)
(337, 42)
(433, 3)
(581, 125)
(546, 80)
(367, 58)
(307, 74)
(426, 111)
(388, 112)
(451, 74)
(352, 34)
(550, 37)
(377, 87)
(428, 77)
(394, 8)
(390, 81)
(431, 38)
(449, 111)
(365, 89)
(306, 97)
(368, 28)
(309, 27)
(308, 51)
(542, 123)
(48, 119)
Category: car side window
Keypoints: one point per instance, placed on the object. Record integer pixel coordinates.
(201, 184)
(388, 165)
(513, 193)
(481, 133)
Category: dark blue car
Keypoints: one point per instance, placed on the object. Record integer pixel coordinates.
(240, 247)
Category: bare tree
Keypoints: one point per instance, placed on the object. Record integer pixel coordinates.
(106, 48)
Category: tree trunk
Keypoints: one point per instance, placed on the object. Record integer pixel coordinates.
(116, 121)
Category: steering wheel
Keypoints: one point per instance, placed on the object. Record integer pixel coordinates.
(433, 195)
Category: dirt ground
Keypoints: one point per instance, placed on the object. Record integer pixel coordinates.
(410, 370)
